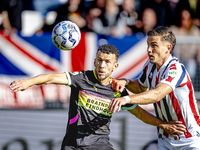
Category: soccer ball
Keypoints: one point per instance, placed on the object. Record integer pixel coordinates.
(66, 35)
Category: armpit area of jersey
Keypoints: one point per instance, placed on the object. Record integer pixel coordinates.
(128, 106)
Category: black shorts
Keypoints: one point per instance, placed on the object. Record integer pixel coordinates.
(91, 147)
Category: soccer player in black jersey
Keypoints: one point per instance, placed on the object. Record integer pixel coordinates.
(91, 93)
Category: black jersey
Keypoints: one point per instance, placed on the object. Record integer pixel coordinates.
(89, 116)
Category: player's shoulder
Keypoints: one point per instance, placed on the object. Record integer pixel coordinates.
(78, 75)
(82, 72)
(76, 72)
(175, 68)
(175, 65)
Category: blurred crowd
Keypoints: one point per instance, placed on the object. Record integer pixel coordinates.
(117, 18)
(109, 17)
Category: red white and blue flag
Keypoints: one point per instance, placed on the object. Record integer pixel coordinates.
(25, 57)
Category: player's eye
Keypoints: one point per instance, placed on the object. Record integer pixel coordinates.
(153, 45)
(100, 61)
(107, 61)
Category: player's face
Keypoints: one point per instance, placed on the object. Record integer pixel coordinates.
(158, 50)
(105, 64)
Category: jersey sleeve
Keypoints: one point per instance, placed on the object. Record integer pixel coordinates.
(142, 78)
(128, 106)
(74, 78)
(175, 76)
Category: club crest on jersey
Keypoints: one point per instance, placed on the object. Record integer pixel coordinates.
(172, 73)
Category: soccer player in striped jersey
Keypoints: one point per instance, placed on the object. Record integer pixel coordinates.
(169, 89)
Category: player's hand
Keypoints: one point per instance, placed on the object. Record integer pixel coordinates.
(19, 85)
(118, 85)
(174, 128)
(116, 103)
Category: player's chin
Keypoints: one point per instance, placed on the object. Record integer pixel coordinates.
(101, 77)
(152, 60)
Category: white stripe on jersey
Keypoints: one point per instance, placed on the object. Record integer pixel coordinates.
(180, 104)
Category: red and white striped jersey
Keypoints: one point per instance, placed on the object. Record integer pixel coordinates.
(180, 104)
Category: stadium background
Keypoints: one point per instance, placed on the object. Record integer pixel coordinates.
(36, 118)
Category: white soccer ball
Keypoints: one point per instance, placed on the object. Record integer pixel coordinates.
(66, 35)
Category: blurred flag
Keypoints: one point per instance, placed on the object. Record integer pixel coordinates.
(25, 57)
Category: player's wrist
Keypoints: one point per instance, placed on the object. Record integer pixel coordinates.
(128, 99)
(161, 125)
(127, 81)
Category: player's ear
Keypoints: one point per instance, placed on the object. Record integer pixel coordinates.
(115, 66)
(169, 47)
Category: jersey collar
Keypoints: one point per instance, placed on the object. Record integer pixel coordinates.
(96, 75)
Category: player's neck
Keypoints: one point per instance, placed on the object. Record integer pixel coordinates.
(105, 81)
(161, 62)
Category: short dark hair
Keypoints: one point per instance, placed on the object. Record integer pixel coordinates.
(109, 49)
(166, 35)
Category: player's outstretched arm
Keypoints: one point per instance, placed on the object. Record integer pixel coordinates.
(23, 84)
(147, 97)
(173, 128)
